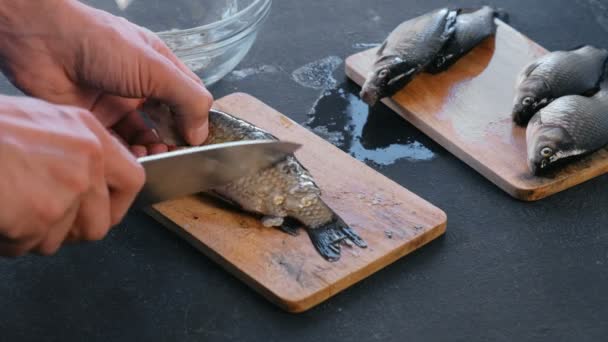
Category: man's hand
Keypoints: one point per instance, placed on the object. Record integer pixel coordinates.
(68, 53)
(63, 176)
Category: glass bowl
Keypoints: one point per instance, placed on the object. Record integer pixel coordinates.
(210, 36)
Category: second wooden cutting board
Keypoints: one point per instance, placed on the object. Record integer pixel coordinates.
(467, 110)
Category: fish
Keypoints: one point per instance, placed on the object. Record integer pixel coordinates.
(282, 192)
(472, 28)
(569, 127)
(557, 74)
(407, 50)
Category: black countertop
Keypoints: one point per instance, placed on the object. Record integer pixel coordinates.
(505, 270)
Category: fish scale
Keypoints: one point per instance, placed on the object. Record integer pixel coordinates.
(428, 30)
(585, 119)
(585, 71)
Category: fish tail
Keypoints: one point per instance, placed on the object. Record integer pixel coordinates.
(502, 14)
(327, 239)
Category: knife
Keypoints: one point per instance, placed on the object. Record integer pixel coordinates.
(184, 172)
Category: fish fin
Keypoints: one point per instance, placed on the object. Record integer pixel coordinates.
(326, 241)
(450, 25)
(530, 68)
(290, 226)
(602, 83)
(502, 14)
(354, 237)
(591, 92)
(576, 47)
(328, 238)
(380, 50)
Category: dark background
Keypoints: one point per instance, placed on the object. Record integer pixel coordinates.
(505, 270)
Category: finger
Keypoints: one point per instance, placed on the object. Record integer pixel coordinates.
(118, 137)
(147, 137)
(110, 109)
(159, 45)
(58, 233)
(139, 150)
(124, 175)
(125, 178)
(157, 148)
(131, 127)
(93, 217)
(190, 101)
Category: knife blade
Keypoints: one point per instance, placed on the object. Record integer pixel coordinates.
(184, 172)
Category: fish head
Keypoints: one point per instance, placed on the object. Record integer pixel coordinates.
(548, 145)
(532, 95)
(390, 74)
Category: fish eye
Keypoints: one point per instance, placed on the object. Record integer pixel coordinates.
(527, 101)
(383, 73)
(546, 152)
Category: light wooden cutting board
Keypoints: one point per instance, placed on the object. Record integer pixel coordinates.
(285, 269)
(467, 110)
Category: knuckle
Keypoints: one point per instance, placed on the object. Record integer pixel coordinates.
(47, 212)
(93, 150)
(139, 177)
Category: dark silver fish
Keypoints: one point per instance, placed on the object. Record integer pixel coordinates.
(407, 50)
(559, 73)
(285, 190)
(471, 29)
(570, 126)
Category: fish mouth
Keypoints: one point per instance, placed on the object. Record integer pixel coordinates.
(522, 114)
(538, 167)
(369, 95)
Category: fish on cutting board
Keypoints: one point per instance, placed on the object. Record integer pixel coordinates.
(557, 74)
(286, 190)
(407, 50)
(472, 28)
(431, 43)
(568, 127)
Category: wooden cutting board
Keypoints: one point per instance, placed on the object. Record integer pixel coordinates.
(467, 110)
(285, 269)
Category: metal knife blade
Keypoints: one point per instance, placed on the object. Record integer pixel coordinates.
(184, 172)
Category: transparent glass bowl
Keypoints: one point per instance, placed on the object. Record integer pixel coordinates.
(210, 36)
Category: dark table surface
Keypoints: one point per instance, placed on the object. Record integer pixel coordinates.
(504, 271)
